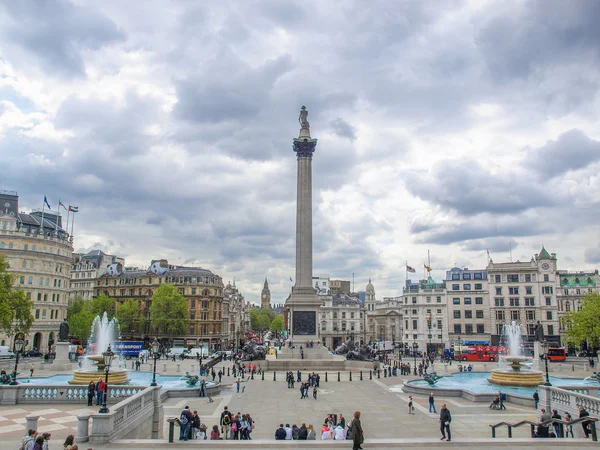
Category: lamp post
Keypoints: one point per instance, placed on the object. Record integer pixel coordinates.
(429, 319)
(108, 356)
(441, 337)
(459, 348)
(155, 346)
(18, 349)
(545, 345)
(415, 346)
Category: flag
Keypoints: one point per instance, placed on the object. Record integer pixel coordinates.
(46, 202)
(62, 204)
(410, 269)
(429, 269)
(74, 208)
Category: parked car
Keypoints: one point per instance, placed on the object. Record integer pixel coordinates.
(6, 352)
(33, 353)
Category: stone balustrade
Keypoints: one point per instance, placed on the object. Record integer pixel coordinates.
(567, 400)
(27, 393)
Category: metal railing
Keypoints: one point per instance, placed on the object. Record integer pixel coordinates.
(545, 424)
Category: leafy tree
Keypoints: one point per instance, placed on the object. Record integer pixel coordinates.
(277, 323)
(584, 325)
(80, 319)
(130, 317)
(260, 319)
(99, 305)
(15, 308)
(169, 311)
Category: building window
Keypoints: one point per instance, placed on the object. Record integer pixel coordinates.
(498, 291)
(456, 314)
(499, 301)
(456, 287)
(352, 315)
(414, 312)
(30, 280)
(468, 314)
(548, 301)
(548, 315)
(479, 314)
(529, 301)
(343, 315)
(498, 278)
(466, 276)
(514, 302)
(547, 289)
(457, 328)
(468, 328)
(323, 326)
(467, 287)
(478, 286)
(513, 291)
(512, 278)
(530, 315)
(514, 315)
(415, 324)
(467, 300)
(500, 315)
(479, 300)
(546, 277)
(428, 299)
(37, 313)
(205, 304)
(456, 301)
(550, 329)
(335, 314)
(456, 276)
(43, 314)
(528, 290)
(478, 276)
(439, 299)
(480, 328)
(414, 300)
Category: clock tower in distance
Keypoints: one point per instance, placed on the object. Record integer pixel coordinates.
(266, 295)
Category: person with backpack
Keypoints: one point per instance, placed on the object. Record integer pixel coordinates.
(225, 423)
(29, 440)
(280, 433)
(185, 420)
(502, 397)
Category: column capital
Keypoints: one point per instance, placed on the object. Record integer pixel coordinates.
(305, 147)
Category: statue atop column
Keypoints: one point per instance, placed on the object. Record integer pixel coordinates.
(304, 125)
(539, 332)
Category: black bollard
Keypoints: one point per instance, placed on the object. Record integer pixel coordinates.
(370, 374)
(252, 375)
(379, 374)
(338, 376)
(325, 377)
(350, 376)
(573, 367)
(171, 431)
(274, 376)
(384, 373)
(361, 375)
(263, 375)
(228, 371)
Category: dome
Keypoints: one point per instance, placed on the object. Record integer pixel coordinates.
(370, 288)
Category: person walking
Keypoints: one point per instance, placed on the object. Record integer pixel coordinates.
(315, 392)
(357, 432)
(432, 403)
(445, 419)
(225, 423)
(586, 424)
(237, 385)
(411, 408)
(536, 398)
(568, 427)
(558, 427)
(91, 392)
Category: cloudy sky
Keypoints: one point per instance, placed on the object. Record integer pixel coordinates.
(447, 126)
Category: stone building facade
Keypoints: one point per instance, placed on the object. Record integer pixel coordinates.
(86, 269)
(41, 262)
(236, 316)
(202, 289)
(341, 317)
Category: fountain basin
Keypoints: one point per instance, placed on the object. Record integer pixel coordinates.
(516, 378)
(115, 376)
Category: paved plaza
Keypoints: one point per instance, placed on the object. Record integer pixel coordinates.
(381, 401)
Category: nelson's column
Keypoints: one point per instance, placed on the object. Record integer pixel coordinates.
(303, 303)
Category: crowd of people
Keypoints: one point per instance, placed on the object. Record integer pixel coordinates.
(233, 426)
(334, 428)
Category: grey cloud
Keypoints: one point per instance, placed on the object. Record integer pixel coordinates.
(468, 188)
(572, 150)
(592, 255)
(343, 129)
(57, 33)
(496, 244)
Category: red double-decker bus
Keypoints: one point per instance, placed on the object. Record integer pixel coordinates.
(556, 354)
(484, 353)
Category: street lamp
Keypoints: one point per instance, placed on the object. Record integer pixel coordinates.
(155, 346)
(18, 349)
(545, 345)
(108, 356)
(415, 346)
(459, 347)
(429, 319)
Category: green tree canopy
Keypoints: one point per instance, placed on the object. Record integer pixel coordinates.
(80, 318)
(584, 325)
(261, 318)
(130, 317)
(169, 312)
(16, 315)
(277, 323)
(102, 304)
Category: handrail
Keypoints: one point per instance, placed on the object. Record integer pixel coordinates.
(546, 423)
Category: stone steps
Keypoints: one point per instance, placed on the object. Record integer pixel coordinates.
(379, 443)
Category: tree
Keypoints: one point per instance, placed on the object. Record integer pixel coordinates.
(15, 308)
(169, 311)
(102, 304)
(260, 319)
(584, 325)
(80, 318)
(277, 324)
(130, 317)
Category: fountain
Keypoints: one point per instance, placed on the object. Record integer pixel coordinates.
(515, 369)
(104, 332)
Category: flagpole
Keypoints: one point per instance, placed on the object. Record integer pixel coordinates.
(72, 222)
(67, 229)
(57, 214)
(405, 272)
(42, 223)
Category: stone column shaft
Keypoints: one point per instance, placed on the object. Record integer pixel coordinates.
(304, 249)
